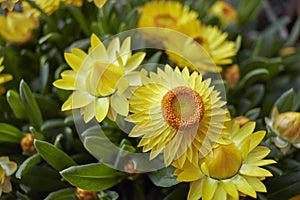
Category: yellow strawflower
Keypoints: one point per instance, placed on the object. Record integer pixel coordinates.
(214, 50)
(231, 169)
(7, 168)
(177, 113)
(163, 14)
(225, 12)
(100, 78)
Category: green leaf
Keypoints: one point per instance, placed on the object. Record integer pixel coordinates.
(28, 164)
(50, 37)
(285, 102)
(294, 35)
(9, 133)
(16, 105)
(94, 177)
(255, 94)
(163, 177)
(253, 76)
(247, 10)
(32, 109)
(63, 194)
(55, 157)
(253, 114)
(108, 195)
(36, 134)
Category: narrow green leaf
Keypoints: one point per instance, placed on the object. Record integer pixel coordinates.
(36, 134)
(95, 177)
(253, 114)
(253, 76)
(50, 37)
(15, 104)
(294, 35)
(27, 164)
(78, 15)
(63, 194)
(32, 109)
(285, 102)
(247, 10)
(55, 157)
(9, 133)
(163, 177)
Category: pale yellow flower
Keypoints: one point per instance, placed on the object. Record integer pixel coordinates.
(232, 168)
(7, 168)
(225, 12)
(177, 113)
(215, 49)
(100, 78)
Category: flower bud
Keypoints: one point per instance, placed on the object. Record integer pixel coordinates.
(225, 12)
(27, 144)
(242, 120)
(86, 194)
(232, 75)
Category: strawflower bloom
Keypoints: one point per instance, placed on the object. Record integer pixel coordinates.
(98, 3)
(216, 49)
(232, 168)
(163, 14)
(100, 78)
(225, 12)
(7, 168)
(177, 113)
(287, 128)
(17, 26)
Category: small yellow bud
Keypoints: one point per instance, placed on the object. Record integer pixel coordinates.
(287, 51)
(27, 144)
(130, 169)
(86, 194)
(242, 120)
(232, 75)
(225, 12)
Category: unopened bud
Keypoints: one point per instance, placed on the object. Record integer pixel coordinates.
(27, 144)
(225, 12)
(86, 194)
(242, 120)
(232, 75)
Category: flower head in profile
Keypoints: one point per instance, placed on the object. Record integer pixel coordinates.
(204, 47)
(16, 26)
(7, 168)
(225, 12)
(177, 113)
(231, 169)
(286, 126)
(163, 14)
(100, 78)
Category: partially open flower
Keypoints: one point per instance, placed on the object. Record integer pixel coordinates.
(225, 12)
(27, 144)
(287, 127)
(86, 194)
(7, 168)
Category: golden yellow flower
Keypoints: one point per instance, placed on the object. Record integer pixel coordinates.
(287, 128)
(100, 78)
(215, 49)
(7, 168)
(177, 113)
(163, 14)
(17, 27)
(4, 77)
(8, 4)
(225, 12)
(98, 3)
(48, 6)
(231, 169)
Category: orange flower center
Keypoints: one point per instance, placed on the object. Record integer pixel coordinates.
(182, 108)
(164, 20)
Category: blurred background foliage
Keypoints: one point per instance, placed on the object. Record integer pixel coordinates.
(269, 70)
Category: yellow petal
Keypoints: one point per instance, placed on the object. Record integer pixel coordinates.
(99, 3)
(230, 188)
(95, 41)
(89, 112)
(81, 99)
(61, 84)
(189, 175)
(5, 78)
(256, 184)
(243, 186)
(120, 104)
(253, 170)
(134, 61)
(195, 191)
(73, 61)
(113, 47)
(257, 154)
(67, 104)
(101, 108)
(220, 193)
(209, 188)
